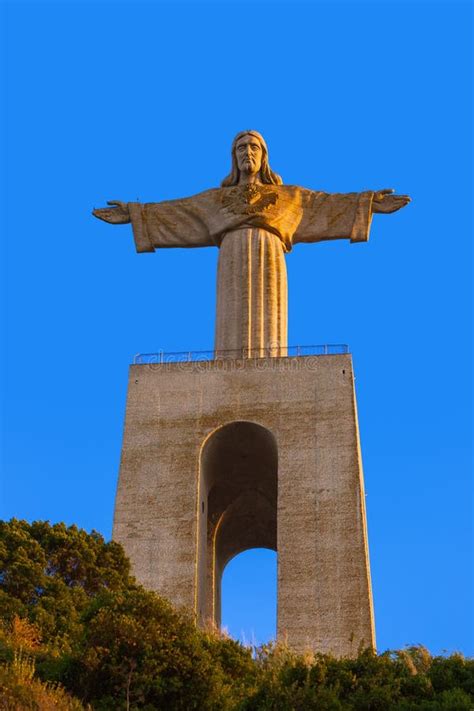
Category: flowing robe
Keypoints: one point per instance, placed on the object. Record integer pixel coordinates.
(253, 225)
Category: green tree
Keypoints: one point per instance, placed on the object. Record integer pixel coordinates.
(138, 652)
(49, 574)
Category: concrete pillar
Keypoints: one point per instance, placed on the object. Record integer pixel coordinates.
(223, 456)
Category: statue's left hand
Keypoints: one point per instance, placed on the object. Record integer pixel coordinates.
(385, 201)
(118, 215)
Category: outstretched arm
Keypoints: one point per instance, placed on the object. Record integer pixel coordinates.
(173, 223)
(329, 216)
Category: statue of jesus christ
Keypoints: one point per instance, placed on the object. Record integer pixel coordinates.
(254, 219)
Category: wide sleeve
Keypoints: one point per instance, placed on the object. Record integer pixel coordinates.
(174, 223)
(335, 216)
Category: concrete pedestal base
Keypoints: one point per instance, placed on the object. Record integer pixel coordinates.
(222, 456)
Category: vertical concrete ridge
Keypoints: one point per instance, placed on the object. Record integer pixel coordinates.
(363, 513)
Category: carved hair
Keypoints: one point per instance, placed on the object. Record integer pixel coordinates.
(266, 173)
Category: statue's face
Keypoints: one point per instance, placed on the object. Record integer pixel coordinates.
(248, 153)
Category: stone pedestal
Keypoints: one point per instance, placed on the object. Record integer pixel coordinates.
(222, 456)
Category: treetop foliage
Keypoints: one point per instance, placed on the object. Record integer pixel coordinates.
(49, 574)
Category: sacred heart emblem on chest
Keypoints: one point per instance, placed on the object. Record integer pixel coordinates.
(249, 199)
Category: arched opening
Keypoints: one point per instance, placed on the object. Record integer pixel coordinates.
(249, 596)
(237, 508)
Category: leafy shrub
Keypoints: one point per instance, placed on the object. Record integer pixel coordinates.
(21, 691)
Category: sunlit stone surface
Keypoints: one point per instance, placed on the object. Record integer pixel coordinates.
(254, 219)
(222, 457)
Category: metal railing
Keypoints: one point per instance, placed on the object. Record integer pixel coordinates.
(272, 352)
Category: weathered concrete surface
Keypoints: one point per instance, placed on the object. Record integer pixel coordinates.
(227, 455)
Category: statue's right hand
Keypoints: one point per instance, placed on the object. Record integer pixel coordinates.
(118, 215)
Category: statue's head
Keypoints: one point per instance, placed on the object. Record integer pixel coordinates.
(250, 155)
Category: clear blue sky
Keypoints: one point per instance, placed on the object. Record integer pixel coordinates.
(119, 100)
